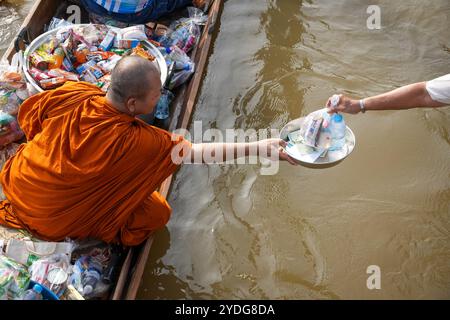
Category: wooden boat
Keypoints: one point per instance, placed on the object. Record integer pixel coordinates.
(132, 267)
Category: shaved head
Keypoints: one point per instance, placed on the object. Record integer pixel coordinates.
(133, 77)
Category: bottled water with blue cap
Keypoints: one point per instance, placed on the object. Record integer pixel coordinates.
(338, 129)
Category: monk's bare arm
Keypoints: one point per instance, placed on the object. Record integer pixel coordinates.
(411, 96)
(220, 152)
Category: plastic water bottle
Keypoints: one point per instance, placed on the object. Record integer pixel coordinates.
(178, 56)
(338, 129)
(165, 51)
(33, 294)
(162, 108)
(78, 269)
(91, 277)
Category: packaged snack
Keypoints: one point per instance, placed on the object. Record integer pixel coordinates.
(38, 74)
(11, 80)
(52, 83)
(57, 23)
(121, 52)
(313, 130)
(39, 61)
(67, 65)
(127, 44)
(58, 58)
(92, 34)
(107, 66)
(50, 46)
(69, 76)
(81, 53)
(85, 66)
(92, 67)
(133, 33)
(139, 51)
(104, 82)
(108, 41)
(88, 76)
(100, 55)
(68, 47)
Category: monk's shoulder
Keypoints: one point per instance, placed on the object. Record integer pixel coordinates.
(156, 139)
(81, 86)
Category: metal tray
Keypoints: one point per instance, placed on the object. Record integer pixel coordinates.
(43, 38)
(331, 158)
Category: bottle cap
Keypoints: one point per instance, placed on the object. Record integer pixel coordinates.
(87, 290)
(37, 288)
(338, 117)
(335, 100)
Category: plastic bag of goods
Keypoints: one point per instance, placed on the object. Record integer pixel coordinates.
(13, 87)
(9, 129)
(14, 279)
(185, 33)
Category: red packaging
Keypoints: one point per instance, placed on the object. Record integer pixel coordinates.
(38, 61)
(38, 74)
(52, 83)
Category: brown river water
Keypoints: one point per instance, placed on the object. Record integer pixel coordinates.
(304, 233)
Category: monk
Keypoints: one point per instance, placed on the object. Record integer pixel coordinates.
(90, 168)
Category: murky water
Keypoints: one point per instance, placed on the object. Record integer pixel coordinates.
(12, 14)
(307, 233)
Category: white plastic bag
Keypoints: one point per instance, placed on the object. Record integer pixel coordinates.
(312, 130)
(27, 251)
(13, 86)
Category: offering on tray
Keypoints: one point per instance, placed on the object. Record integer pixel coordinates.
(85, 53)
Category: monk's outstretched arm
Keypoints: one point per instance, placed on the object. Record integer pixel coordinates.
(210, 153)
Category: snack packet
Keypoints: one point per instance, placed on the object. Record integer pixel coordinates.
(313, 130)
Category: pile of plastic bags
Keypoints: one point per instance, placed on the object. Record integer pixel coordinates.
(13, 91)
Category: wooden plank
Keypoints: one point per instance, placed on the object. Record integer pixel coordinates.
(201, 55)
(138, 272)
(121, 281)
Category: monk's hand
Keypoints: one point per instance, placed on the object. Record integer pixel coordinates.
(345, 104)
(274, 149)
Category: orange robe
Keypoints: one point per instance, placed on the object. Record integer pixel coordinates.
(87, 170)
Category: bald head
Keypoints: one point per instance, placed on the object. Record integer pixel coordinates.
(133, 77)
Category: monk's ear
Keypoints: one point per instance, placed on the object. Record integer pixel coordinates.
(131, 105)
